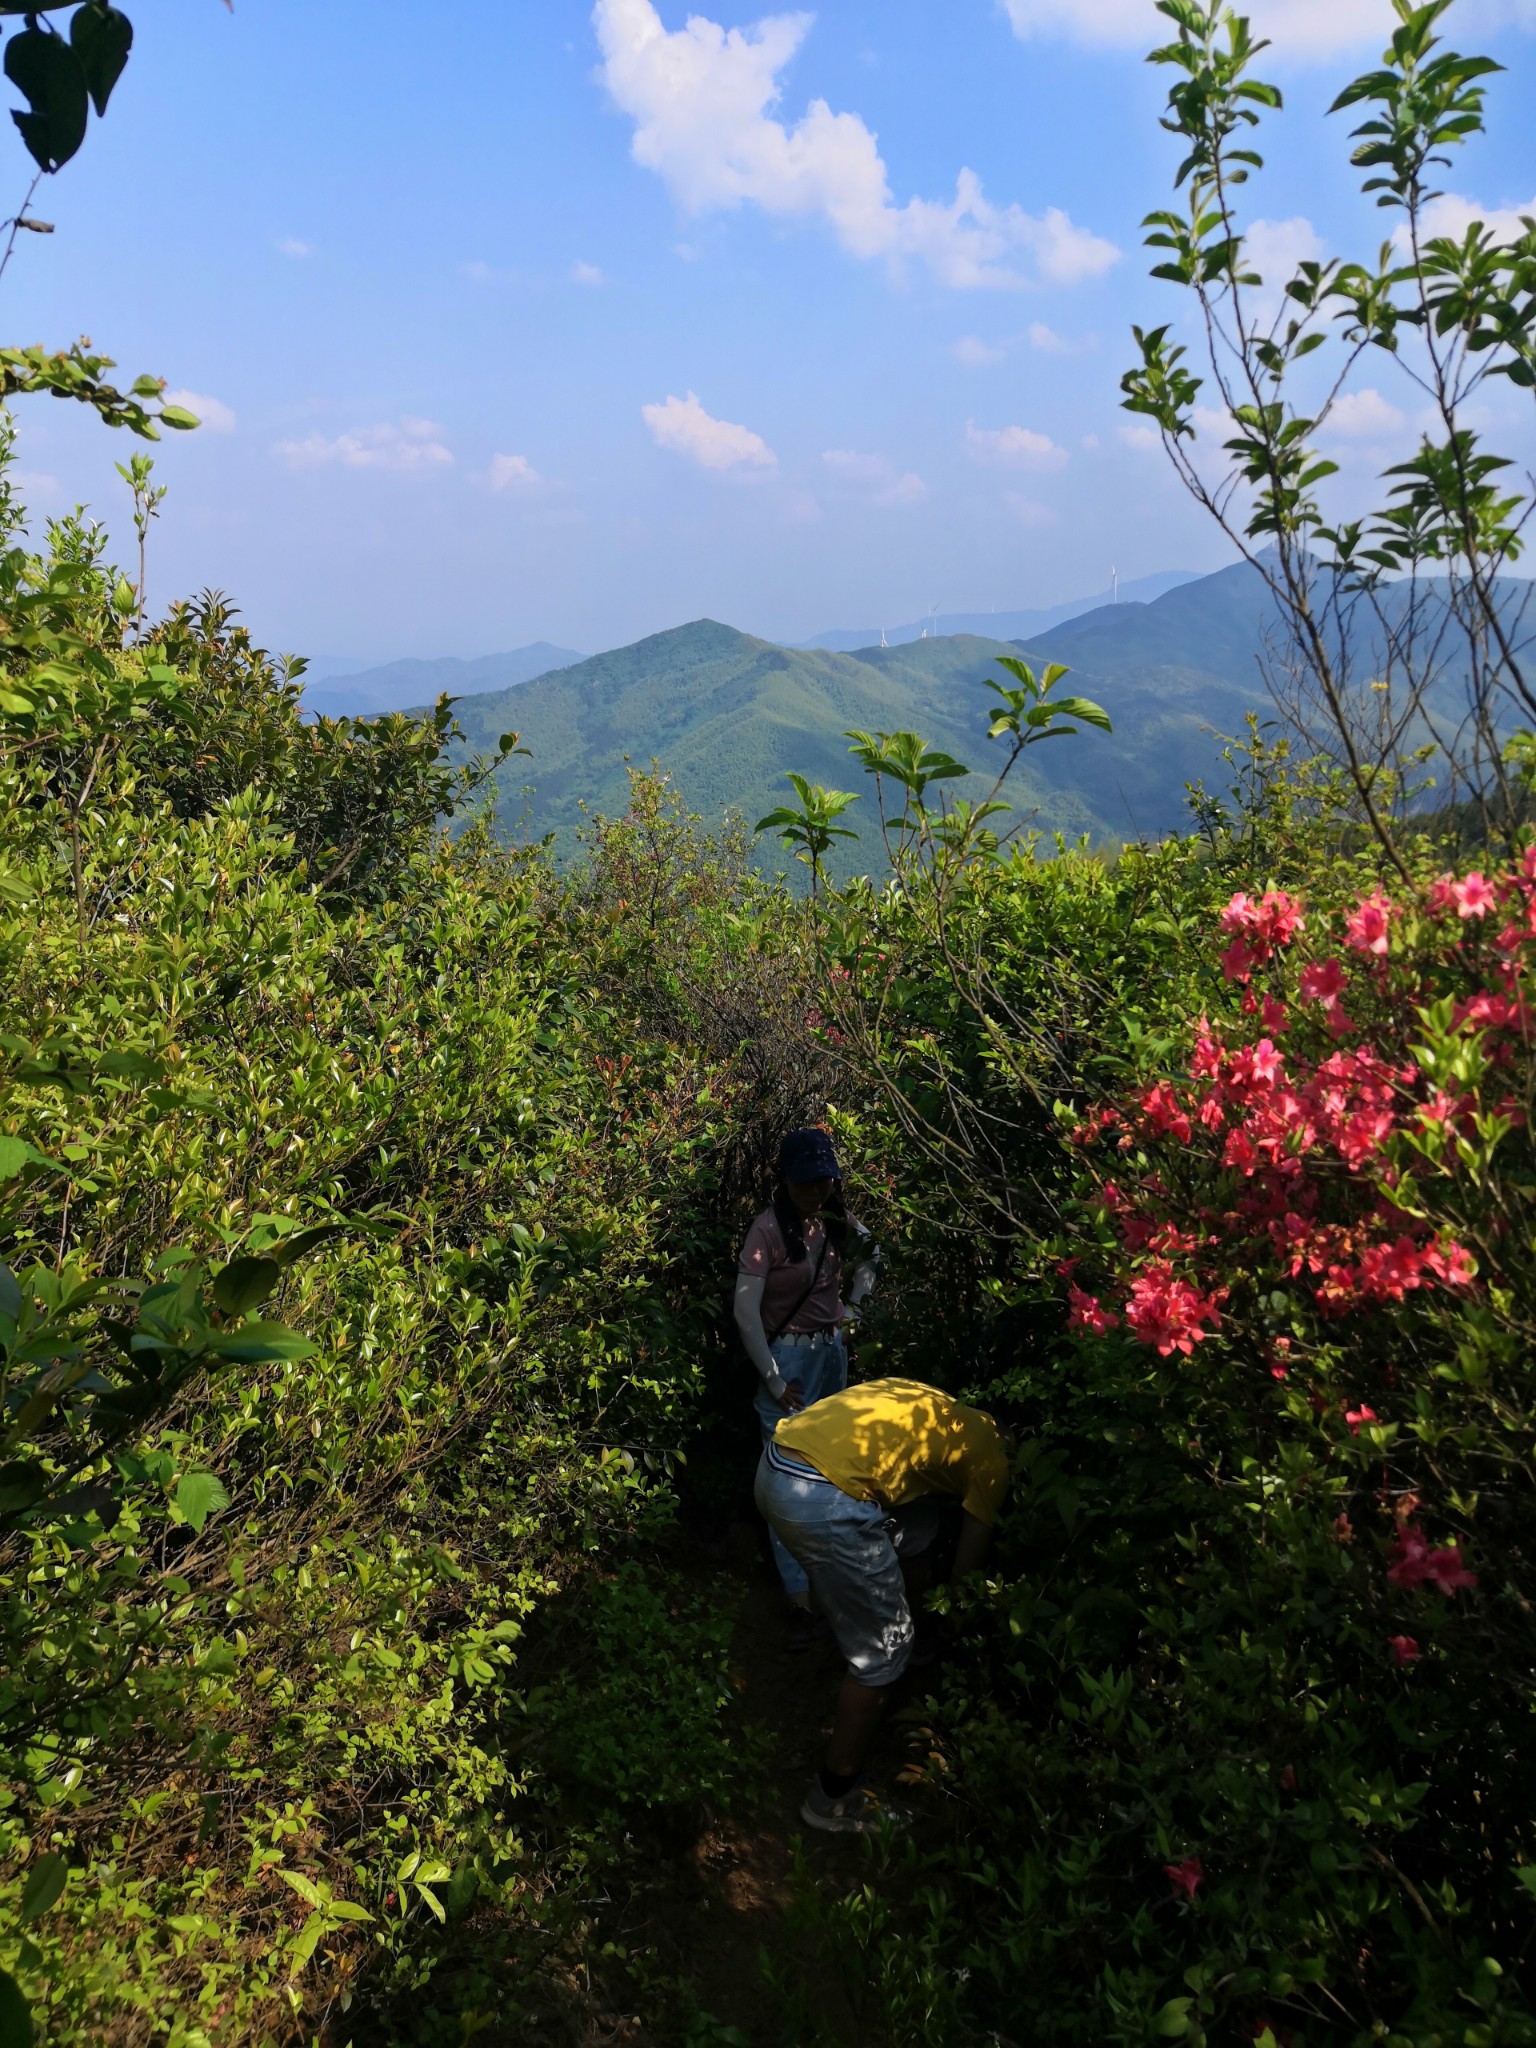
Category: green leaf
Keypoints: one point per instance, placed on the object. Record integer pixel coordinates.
(199, 1495)
(21, 1483)
(259, 1343)
(10, 1292)
(288, 1250)
(45, 1886)
(1085, 709)
(244, 1284)
(1173, 2020)
(41, 65)
(304, 1945)
(296, 1881)
(102, 38)
(15, 2015)
(177, 416)
(15, 1153)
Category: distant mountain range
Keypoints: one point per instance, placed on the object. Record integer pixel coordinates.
(725, 714)
(1000, 625)
(353, 690)
(341, 687)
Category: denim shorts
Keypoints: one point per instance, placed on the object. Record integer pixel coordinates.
(850, 1557)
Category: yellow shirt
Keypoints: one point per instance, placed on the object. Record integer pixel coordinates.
(893, 1441)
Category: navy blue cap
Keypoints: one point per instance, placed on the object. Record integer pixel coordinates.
(808, 1155)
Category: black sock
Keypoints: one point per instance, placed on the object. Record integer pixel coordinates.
(834, 1784)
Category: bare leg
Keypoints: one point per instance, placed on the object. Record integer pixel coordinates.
(859, 1708)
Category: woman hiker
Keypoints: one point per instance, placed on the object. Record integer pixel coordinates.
(790, 1311)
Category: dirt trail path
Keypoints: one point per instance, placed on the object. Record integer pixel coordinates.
(728, 1904)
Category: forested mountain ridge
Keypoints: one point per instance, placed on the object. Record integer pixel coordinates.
(728, 714)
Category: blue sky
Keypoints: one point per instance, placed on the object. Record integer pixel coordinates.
(525, 319)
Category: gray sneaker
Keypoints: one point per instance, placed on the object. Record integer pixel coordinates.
(860, 1811)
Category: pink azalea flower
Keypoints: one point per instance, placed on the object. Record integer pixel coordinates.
(1414, 1563)
(1275, 1018)
(1088, 1315)
(1240, 915)
(1356, 1416)
(1404, 1649)
(1205, 1060)
(1442, 895)
(1161, 1108)
(1473, 896)
(1238, 961)
(1451, 1264)
(1167, 1312)
(1185, 1877)
(1322, 981)
(1367, 930)
(1389, 1271)
(1279, 918)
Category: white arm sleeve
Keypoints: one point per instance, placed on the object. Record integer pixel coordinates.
(749, 1321)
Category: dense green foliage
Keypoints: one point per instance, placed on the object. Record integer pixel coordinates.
(274, 1048)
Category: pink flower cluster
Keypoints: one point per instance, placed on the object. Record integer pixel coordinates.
(1087, 1315)
(1166, 1312)
(1258, 930)
(1369, 929)
(1469, 896)
(1414, 1563)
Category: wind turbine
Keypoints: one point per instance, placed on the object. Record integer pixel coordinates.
(882, 636)
(1114, 584)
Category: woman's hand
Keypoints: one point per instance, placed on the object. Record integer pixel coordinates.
(793, 1398)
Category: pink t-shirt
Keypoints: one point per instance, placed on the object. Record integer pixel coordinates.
(765, 1257)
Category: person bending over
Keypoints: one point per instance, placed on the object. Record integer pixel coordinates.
(789, 1307)
(853, 1489)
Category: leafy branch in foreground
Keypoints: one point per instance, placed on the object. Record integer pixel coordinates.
(1396, 636)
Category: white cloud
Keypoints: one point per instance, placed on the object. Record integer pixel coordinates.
(1274, 248)
(700, 97)
(682, 424)
(1050, 343)
(481, 273)
(409, 446)
(512, 473)
(214, 414)
(1015, 447)
(1090, 441)
(801, 508)
(1212, 423)
(1139, 436)
(586, 273)
(885, 485)
(975, 354)
(290, 245)
(1452, 214)
(1364, 416)
(1029, 511)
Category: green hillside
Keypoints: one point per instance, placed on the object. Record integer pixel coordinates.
(727, 714)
